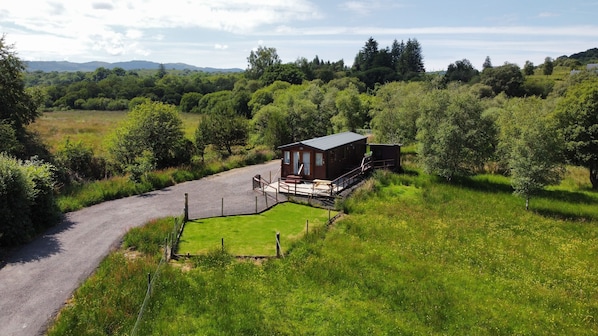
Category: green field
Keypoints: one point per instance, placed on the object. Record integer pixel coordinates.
(252, 235)
(414, 256)
(90, 127)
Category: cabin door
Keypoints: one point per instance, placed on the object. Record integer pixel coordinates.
(296, 156)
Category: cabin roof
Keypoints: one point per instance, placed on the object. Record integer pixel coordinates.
(328, 142)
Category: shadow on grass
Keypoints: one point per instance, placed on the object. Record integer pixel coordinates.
(564, 215)
(568, 196)
(479, 184)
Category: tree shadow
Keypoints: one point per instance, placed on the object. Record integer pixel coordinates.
(564, 215)
(568, 196)
(43, 246)
(478, 184)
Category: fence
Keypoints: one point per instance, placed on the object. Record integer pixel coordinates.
(173, 238)
(170, 243)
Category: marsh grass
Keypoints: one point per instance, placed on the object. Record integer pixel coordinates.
(90, 127)
(415, 256)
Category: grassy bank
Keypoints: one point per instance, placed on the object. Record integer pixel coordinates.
(415, 256)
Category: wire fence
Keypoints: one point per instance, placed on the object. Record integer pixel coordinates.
(169, 247)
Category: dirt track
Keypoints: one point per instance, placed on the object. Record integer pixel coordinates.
(39, 277)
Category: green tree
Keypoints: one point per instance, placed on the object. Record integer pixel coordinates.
(289, 73)
(455, 138)
(271, 126)
(530, 145)
(395, 111)
(577, 113)
(487, 63)
(352, 114)
(460, 71)
(190, 102)
(528, 68)
(548, 66)
(225, 130)
(17, 108)
(260, 60)
(202, 137)
(154, 127)
(506, 78)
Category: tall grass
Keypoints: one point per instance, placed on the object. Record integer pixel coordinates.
(415, 256)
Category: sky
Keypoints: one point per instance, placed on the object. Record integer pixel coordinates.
(222, 33)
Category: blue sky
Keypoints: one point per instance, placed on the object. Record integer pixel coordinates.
(221, 33)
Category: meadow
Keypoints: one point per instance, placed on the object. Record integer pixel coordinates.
(414, 255)
(90, 127)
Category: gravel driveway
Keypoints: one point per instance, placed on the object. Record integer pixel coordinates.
(39, 277)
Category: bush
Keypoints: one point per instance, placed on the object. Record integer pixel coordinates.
(27, 199)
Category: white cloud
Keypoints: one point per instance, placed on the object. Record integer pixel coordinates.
(218, 46)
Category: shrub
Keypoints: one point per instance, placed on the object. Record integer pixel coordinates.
(26, 199)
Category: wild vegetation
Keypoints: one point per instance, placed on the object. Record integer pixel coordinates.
(414, 255)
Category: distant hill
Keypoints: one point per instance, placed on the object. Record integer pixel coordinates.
(49, 66)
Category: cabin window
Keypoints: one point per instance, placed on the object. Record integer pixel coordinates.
(319, 159)
(287, 157)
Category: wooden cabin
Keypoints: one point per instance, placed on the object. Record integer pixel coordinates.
(324, 158)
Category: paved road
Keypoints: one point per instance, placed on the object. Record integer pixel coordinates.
(39, 277)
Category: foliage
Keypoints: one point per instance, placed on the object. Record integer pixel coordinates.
(154, 127)
(577, 113)
(223, 130)
(17, 107)
(79, 161)
(260, 60)
(377, 66)
(460, 71)
(548, 66)
(455, 138)
(395, 110)
(506, 78)
(352, 111)
(27, 202)
(530, 146)
(289, 73)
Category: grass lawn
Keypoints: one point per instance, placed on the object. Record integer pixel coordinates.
(252, 234)
(90, 127)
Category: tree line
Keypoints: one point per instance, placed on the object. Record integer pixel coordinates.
(462, 121)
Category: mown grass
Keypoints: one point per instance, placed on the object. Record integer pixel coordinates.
(414, 256)
(253, 235)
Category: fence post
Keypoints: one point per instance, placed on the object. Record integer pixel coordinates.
(306, 226)
(222, 208)
(255, 204)
(277, 244)
(186, 207)
(328, 215)
(222, 242)
(266, 198)
(149, 283)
